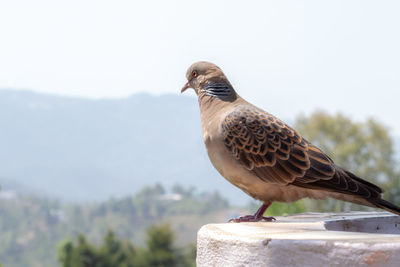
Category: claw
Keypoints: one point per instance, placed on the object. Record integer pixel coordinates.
(268, 219)
(252, 218)
(258, 216)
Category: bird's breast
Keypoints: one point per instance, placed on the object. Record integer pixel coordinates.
(216, 150)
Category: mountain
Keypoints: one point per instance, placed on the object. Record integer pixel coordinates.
(80, 149)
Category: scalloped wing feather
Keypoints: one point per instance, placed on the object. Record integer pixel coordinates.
(265, 145)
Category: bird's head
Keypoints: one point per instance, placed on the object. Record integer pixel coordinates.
(208, 78)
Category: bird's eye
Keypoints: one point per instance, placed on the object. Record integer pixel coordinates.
(194, 73)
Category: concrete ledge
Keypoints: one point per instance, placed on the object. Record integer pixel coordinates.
(312, 239)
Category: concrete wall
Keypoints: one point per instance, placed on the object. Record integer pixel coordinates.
(319, 239)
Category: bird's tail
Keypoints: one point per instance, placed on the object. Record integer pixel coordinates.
(376, 201)
(386, 205)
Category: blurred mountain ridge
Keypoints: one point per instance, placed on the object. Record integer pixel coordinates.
(78, 149)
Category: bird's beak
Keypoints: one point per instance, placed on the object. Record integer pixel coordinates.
(185, 87)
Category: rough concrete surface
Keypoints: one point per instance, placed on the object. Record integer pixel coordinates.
(312, 239)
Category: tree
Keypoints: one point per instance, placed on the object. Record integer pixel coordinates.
(114, 252)
(160, 250)
(364, 148)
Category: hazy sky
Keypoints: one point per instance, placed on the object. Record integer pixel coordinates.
(287, 57)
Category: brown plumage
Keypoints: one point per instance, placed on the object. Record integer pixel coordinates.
(263, 156)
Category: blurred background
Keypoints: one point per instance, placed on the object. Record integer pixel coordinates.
(101, 158)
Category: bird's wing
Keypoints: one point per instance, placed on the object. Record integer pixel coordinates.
(276, 153)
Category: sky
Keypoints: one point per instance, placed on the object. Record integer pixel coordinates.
(287, 57)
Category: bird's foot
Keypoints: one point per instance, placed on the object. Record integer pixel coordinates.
(257, 217)
(252, 218)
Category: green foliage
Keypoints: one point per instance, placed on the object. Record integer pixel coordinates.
(278, 208)
(365, 148)
(281, 209)
(160, 248)
(160, 251)
(31, 227)
(112, 252)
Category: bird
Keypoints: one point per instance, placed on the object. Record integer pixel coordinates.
(264, 156)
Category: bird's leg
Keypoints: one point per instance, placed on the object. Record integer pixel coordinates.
(258, 216)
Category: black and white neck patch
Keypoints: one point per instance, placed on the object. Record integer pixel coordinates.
(219, 90)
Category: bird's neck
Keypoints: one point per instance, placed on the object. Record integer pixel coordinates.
(213, 108)
(218, 97)
(219, 90)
